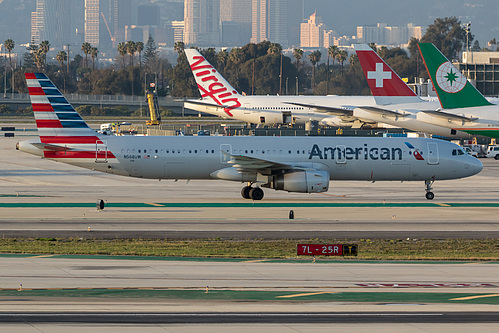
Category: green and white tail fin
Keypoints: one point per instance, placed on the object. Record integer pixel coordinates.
(453, 89)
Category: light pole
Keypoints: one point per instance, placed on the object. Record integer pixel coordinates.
(297, 86)
(467, 29)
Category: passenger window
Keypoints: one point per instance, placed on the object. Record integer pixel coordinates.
(156, 151)
(139, 151)
(213, 151)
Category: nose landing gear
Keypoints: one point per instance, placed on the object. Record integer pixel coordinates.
(253, 193)
(429, 194)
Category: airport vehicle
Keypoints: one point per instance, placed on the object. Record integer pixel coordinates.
(493, 151)
(464, 108)
(386, 86)
(219, 98)
(470, 151)
(154, 113)
(293, 164)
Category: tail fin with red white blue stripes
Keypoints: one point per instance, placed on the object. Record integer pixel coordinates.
(56, 119)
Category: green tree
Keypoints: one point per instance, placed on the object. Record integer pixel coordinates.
(222, 58)
(314, 58)
(122, 52)
(61, 57)
(29, 56)
(131, 48)
(150, 53)
(44, 49)
(9, 45)
(332, 52)
(447, 35)
(87, 49)
(93, 54)
(139, 47)
(298, 54)
(179, 47)
(342, 56)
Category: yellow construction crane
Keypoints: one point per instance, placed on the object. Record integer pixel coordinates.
(152, 101)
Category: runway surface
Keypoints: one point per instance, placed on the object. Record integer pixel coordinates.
(42, 198)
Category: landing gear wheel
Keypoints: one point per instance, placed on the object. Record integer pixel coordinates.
(245, 192)
(430, 195)
(256, 193)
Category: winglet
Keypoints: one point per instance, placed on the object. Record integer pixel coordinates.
(453, 89)
(386, 86)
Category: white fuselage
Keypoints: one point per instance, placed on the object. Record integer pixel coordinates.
(345, 158)
(279, 110)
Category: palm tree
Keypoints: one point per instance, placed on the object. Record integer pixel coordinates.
(332, 52)
(122, 51)
(9, 45)
(93, 54)
(298, 54)
(314, 58)
(179, 47)
(222, 57)
(275, 49)
(131, 49)
(86, 48)
(139, 46)
(38, 57)
(44, 48)
(61, 57)
(342, 56)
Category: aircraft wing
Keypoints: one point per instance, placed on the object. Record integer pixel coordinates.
(449, 116)
(326, 109)
(382, 112)
(207, 104)
(247, 164)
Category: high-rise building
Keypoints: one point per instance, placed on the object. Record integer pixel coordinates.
(312, 32)
(52, 22)
(105, 22)
(202, 22)
(277, 21)
(381, 34)
(235, 22)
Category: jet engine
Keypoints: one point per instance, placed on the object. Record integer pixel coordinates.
(307, 181)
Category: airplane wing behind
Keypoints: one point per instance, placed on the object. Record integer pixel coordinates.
(382, 112)
(326, 109)
(449, 116)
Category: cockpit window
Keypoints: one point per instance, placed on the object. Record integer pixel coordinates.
(456, 152)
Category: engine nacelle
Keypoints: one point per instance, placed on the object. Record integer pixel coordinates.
(302, 181)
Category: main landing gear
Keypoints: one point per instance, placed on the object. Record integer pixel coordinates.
(429, 194)
(253, 193)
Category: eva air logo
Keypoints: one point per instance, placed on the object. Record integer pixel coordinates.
(449, 79)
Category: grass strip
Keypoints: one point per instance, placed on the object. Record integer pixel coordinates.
(376, 249)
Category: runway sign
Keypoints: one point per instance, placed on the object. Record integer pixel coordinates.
(326, 249)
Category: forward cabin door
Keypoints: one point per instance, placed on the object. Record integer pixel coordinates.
(433, 153)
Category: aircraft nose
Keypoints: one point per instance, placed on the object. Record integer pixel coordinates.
(473, 165)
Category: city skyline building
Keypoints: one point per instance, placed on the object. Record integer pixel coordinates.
(277, 21)
(105, 22)
(52, 22)
(202, 22)
(382, 34)
(312, 32)
(235, 22)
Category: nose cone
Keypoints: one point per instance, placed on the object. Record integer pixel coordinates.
(472, 166)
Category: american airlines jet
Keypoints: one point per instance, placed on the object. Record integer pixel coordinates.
(219, 98)
(292, 164)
